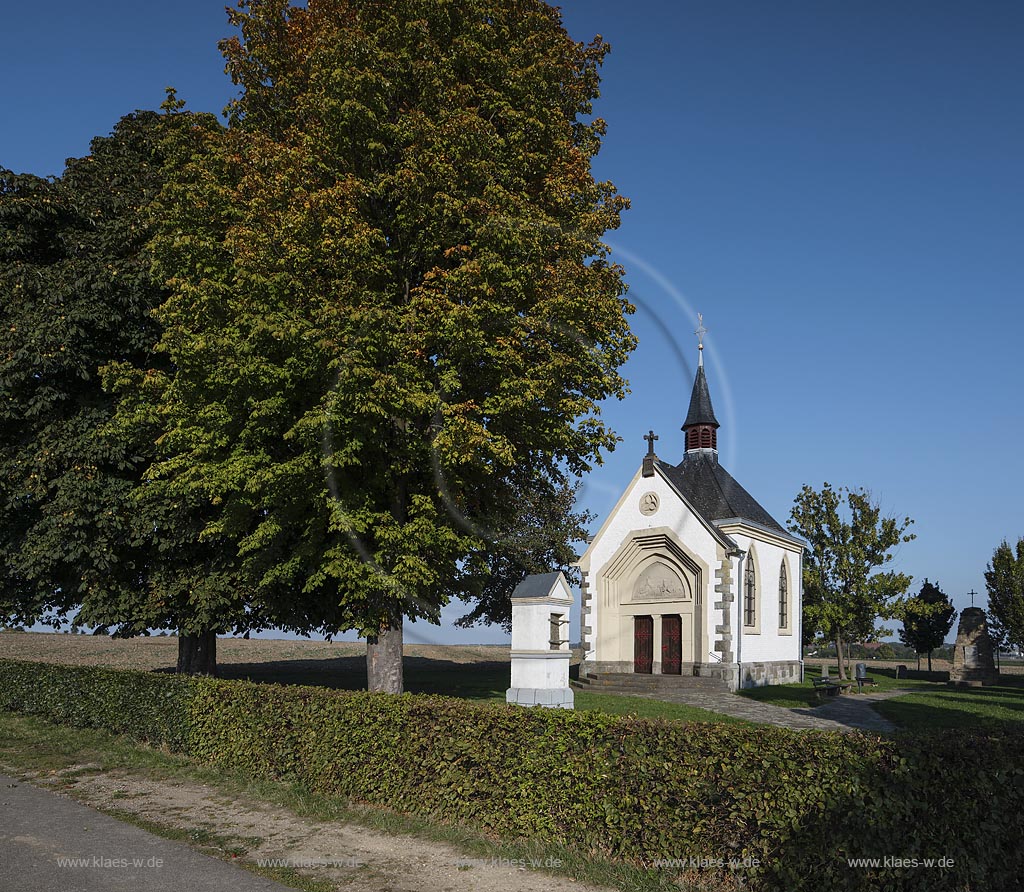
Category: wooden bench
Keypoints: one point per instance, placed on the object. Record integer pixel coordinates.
(830, 687)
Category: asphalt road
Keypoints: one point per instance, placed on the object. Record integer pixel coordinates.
(49, 843)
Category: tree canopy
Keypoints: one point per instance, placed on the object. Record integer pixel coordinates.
(927, 619)
(76, 542)
(77, 293)
(391, 316)
(534, 537)
(843, 593)
(1004, 580)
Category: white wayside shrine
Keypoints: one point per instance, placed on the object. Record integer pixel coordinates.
(540, 642)
(689, 575)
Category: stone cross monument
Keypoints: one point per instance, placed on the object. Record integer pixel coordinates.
(973, 662)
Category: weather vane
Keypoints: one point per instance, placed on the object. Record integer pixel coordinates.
(700, 332)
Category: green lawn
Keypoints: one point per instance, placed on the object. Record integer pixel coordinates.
(929, 705)
(994, 708)
(617, 704)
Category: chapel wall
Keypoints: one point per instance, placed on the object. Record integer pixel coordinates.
(767, 643)
(610, 616)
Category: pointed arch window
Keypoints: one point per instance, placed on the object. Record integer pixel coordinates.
(749, 593)
(783, 597)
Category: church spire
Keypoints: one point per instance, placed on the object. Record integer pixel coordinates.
(701, 426)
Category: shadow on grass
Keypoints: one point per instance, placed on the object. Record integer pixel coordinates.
(479, 680)
(805, 696)
(788, 696)
(990, 709)
(471, 681)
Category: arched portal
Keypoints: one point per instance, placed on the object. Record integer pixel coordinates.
(651, 611)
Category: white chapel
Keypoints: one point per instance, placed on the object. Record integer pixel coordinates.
(689, 575)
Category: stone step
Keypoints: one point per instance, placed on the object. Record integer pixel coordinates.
(644, 678)
(666, 693)
(647, 684)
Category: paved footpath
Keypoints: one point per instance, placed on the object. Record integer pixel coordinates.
(856, 711)
(847, 712)
(49, 842)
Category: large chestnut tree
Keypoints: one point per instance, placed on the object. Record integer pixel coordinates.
(392, 316)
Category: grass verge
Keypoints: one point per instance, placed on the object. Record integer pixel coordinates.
(227, 849)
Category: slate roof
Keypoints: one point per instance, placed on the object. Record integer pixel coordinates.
(538, 585)
(701, 411)
(713, 492)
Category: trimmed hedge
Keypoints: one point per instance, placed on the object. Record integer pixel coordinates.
(802, 803)
(145, 706)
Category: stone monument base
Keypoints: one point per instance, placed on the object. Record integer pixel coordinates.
(552, 698)
(969, 679)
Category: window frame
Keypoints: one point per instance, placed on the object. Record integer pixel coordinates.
(751, 602)
(785, 627)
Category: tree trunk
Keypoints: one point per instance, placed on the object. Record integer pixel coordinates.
(839, 658)
(197, 654)
(919, 661)
(384, 650)
(384, 659)
(929, 661)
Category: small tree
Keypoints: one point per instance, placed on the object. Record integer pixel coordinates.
(927, 619)
(842, 595)
(1004, 579)
(997, 635)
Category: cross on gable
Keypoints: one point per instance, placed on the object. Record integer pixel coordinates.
(650, 437)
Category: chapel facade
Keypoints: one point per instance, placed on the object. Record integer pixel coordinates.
(689, 575)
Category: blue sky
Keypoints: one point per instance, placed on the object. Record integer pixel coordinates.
(837, 187)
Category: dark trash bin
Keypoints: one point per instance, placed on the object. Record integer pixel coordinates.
(861, 674)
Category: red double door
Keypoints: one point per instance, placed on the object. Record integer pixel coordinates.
(671, 645)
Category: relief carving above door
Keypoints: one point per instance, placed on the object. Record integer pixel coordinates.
(660, 582)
